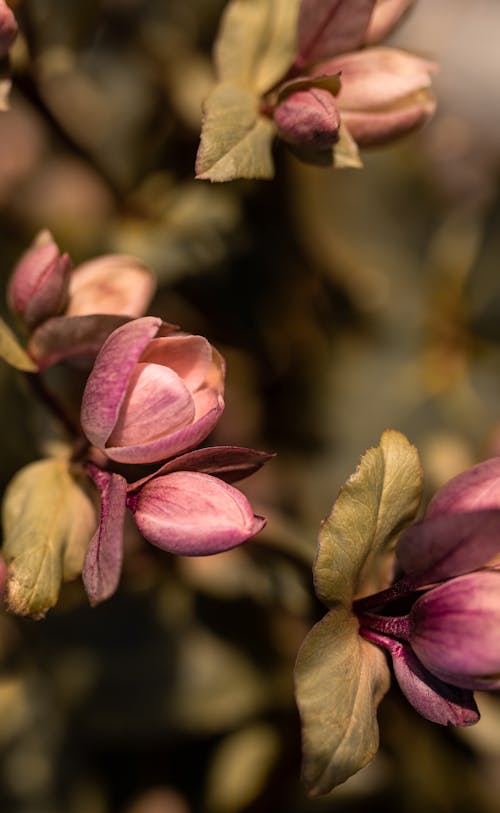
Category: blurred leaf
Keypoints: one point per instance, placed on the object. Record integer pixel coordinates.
(240, 768)
(257, 42)
(12, 352)
(345, 153)
(340, 680)
(357, 538)
(236, 140)
(46, 519)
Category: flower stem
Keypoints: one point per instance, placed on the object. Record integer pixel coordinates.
(57, 409)
(396, 626)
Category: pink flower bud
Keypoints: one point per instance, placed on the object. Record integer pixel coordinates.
(113, 283)
(8, 28)
(454, 630)
(39, 283)
(194, 514)
(308, 117)
(384, 94)
(153, 392)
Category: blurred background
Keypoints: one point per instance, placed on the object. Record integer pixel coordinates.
(345, 303)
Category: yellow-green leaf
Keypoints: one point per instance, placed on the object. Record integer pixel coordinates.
(236, 140)
(340, 680)
(47, 522)
(345, 152)
(257, 42)
(357, 540)
(12, 352)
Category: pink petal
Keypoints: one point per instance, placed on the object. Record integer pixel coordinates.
(476, 489)
(155, 404)
(103, 560)
(181, 441)
(378, 78)
(194, 514)
(229, 463)
(450, 545)
(432, 698)
(71, 337)
(370, 129)
(107, 383)
(455, 630)
(8, 28)
(189, 356)
(386, 15)
(330, 27)
(113, 283)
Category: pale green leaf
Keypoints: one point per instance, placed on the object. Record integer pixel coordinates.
(47, 523)
(257, 42)
(236, 140)
(12, 352)
(357, 540)
(340, 679)
(346, 153)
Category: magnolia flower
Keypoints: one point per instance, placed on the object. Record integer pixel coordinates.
(447, 643)
(382, 93)
(112, 283)
(154, 392)
(38, 287)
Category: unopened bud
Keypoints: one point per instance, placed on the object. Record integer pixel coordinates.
(308, 118)
(39, 283)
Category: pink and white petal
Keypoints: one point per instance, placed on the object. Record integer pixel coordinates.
(113, 283)
(330, 27)
(103, 560)
(178, 442)
(205, 401)
(189, 356)
(228, 463)
(156, 403)
(370, 129)
(107, 383)
(386, 15)
(449, 545)
(476, 489)
(194, 514)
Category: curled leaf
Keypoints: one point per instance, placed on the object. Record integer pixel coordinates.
(339, 680)
(357, 539)
(12, 352)
(47, 522)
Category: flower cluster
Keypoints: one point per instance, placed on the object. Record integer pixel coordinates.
(337, 77)
(150, 395)
(447, 642)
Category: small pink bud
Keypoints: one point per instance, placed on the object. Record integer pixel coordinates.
(38, 286)
(8, 28)
(308, 118)
(153, 392)
(194, 514)
(113, 283)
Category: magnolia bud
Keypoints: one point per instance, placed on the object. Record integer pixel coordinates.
(39, 283)
(308, 118)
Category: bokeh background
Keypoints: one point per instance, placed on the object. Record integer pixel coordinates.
(345, 303)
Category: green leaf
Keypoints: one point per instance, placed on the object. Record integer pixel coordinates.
(357, 540)
(48, 520)
(236, 140)
(12, 352)
(346, 153)
(257, 42)
(339, 680)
